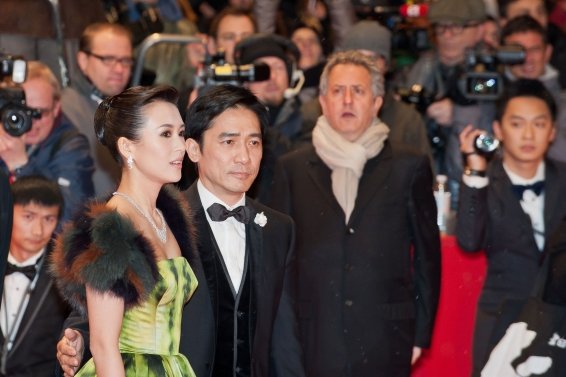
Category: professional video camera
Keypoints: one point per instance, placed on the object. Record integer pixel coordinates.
(15, 116)
(482, 79)
(217, 71)
(406, 20)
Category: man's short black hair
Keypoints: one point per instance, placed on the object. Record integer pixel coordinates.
(523, 24)
(38, 190)
(503, 4)
(525, 88)
(215, 101)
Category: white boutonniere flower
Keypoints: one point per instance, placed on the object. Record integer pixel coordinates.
(260, 219)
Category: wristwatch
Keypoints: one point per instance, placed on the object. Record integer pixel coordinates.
(474, 173)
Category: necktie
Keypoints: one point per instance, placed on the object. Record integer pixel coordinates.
(536, 187)
(28, 271)
(218, 212)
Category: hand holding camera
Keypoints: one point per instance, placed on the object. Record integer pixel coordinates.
(476, 146)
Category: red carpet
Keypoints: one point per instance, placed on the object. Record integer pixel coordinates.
(462, 279)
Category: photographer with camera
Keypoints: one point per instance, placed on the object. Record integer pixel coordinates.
(279, 94)
(52, 146)
(526, 32)
(509, 207)
(537, 9)
(105, 59)
(457, 26)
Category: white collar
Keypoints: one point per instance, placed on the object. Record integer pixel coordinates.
(207, 198)
(28, 262)
(518, 180)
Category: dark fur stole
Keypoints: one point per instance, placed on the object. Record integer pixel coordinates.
(102, 248)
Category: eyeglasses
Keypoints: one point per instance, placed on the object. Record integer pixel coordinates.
(455, 29)
(111, 61)
(39, 113)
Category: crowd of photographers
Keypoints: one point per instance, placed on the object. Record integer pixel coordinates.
(445, 63)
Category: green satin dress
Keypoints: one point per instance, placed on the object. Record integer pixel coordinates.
(149, 339)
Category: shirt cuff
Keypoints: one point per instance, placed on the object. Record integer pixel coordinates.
(475, 181)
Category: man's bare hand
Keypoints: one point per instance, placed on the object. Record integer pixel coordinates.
(417, 352)
(12, 150)
(70, 352)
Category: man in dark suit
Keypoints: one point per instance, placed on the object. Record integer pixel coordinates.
(368, 261)
(240, 321)
(32, 311)
(242, 317)
(511, 207)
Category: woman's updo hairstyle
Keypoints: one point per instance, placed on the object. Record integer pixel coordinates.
(121, 115)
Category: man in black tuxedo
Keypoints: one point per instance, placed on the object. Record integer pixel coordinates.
(32, 311)
(240, 321)
(510, 208)
(242, 317)
(368, 250)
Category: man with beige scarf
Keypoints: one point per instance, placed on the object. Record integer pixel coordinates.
(368, 248)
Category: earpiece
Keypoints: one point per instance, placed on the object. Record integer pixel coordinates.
(297, 82)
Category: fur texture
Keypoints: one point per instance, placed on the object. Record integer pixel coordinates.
(102, 248)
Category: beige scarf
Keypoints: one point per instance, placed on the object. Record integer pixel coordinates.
(347, 159)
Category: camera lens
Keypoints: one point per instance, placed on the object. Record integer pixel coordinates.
(486, 143)
(16, 121)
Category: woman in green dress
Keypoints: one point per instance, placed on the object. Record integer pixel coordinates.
(120, 263)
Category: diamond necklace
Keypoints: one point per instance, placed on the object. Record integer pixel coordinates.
(161, 233)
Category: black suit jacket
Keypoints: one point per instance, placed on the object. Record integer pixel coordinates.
(492, 219)
(34, 351)
(275, 347)
(368, 289)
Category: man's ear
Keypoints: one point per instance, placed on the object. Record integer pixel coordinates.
(497, 130)
(193, 150)
(56, 108)
(82, 60)
(548, 52)
(378, 102)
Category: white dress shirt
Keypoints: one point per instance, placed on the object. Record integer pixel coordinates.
(230, 236)
(15, 298)
(532, 204)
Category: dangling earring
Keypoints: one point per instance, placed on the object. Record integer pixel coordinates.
(130, 162)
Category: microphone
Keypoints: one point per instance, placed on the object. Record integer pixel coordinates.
(414, 10)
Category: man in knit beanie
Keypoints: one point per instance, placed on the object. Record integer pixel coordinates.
(406, 125)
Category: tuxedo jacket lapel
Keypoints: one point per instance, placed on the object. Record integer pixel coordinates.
(510, 205)
(36, 301)
(206, 274)
(554, 188)
(254, 241)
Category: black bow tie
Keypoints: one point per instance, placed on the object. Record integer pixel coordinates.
(29, 271)
(536, 187)
(218, 212)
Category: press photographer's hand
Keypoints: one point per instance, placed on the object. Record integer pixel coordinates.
(12, 150)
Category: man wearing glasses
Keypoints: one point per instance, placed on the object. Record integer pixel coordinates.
(457, 26)
(53, 147)
(105, 60)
